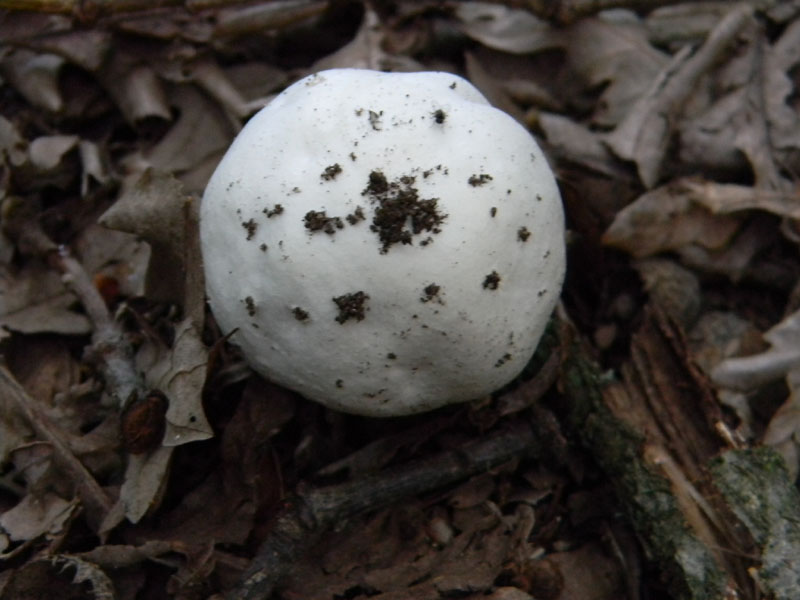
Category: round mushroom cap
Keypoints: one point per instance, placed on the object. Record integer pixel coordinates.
(383, 243)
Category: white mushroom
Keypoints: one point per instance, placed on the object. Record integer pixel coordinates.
(384, 243)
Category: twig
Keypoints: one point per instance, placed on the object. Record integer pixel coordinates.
(91, 494)
(109, 344)
(310, 513)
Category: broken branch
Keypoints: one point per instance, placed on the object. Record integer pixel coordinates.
(310, 513)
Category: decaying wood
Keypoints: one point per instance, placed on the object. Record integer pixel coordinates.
(688, 566)
(687, 492)
(756, 486)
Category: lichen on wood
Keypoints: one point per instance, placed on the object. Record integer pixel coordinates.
(688, 566)
(756, 485)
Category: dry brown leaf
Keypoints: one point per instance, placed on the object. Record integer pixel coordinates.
(737, 259)
(481, 77)
(95, 165)
(707, 142)
(180, 373)
(85, 572)
(669, 218)
(256, 80)
(738, 120)
(751, 372)
(718, 335)
(35, 76)
(209, 514)
(87, 49)
(34, 462)
(615, 57)
(135, 87)
(574, 142)
(726, 198)
(507, 29)
(34, 300)
(201, 131)
(36, 516)
(208, 75)
(780, 60)
(266, 16)
(52, 161)
(644, 135)
(47, 152)
(781, 360)
(684, 22)
(118, 556)
(223, 508)
(50, 377)
(391, 553)
(365, 51)
(143, 488)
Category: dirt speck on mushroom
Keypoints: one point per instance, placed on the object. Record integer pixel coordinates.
(399, 212)
(318, 220)
(351, 306)
(250, 227)
(331, 172)
(492, 281)
(476, 180)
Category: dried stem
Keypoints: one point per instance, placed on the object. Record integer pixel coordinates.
(310, 513)
(110, 346)
(91, 494)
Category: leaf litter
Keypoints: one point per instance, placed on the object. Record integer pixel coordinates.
(681, 123)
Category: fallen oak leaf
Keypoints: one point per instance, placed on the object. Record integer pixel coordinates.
(669, 218)
(180, 373)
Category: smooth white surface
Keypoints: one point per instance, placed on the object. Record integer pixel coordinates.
(406, 355)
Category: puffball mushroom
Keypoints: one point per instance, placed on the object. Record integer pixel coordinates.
(383, 243)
